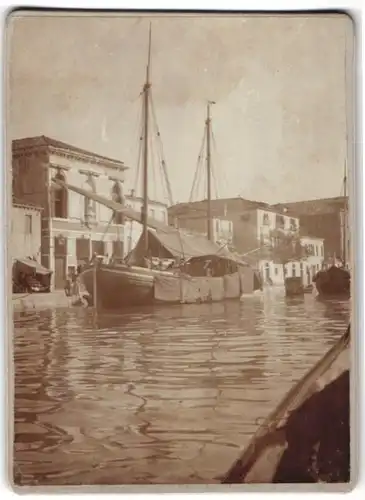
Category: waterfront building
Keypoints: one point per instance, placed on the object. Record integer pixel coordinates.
(325, 218)
(254, 238)
(73, 227)
(192, 217)
(249, 227)
(25, 232)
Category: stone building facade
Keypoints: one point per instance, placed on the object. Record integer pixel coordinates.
(73, 227)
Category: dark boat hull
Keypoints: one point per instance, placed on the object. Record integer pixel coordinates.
(307, 437)
(335, 282)
(119, 287)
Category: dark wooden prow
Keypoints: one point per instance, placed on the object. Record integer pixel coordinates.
(307, 437)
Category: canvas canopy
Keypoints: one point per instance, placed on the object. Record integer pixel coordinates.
(175, 242)
(179, 244)
(29, 265)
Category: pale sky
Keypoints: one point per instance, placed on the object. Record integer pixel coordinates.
(279, 84)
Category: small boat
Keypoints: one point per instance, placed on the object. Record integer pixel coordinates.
(307, 437)
(333, 282)
(336, 281)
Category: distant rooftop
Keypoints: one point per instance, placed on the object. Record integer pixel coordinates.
(133, 197)
(312, 207)
(237, 202)
(42, 140)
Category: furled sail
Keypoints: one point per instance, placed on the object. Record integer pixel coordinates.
(176, 241)
(117, 207)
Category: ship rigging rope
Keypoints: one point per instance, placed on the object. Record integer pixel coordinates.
(138, 169)
(198, 167)
(220, 169)
(214, 180)
(200, 171)
(163, 161)
(164, 167)
(107, 227)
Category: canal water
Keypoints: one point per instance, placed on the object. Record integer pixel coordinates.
(167, 395)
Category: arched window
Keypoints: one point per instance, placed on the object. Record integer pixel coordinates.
(59, 197)
(294, 270)
(90, 205)
(117, 196)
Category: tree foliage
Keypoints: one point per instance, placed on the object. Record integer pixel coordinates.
(286, 247)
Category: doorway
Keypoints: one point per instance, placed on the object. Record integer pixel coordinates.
(60, 259)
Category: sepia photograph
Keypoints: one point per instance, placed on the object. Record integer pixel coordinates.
(180, 248)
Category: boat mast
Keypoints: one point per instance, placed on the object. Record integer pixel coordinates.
(209, 172)
(146, 94)
(344, 230)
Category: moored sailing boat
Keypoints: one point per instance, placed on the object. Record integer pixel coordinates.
(202, 271)
(336, 280)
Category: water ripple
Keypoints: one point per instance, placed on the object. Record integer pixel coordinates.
(165, 395)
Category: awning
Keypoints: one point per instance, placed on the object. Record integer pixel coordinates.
(176, 241)
(29, 265)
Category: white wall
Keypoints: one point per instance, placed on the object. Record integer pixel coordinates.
(76, 174)
(292, 269)
(25, 243)
(270, 219)
(222, 230)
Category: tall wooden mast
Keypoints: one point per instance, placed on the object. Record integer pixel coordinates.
(146, 94)
(345, 218)
(209, 175)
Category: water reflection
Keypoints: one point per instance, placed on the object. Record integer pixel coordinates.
(164, 395)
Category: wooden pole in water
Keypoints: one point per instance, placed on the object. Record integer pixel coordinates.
(95, 287)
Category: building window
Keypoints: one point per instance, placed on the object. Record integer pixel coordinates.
(309, 249)
(316, 250)
(280, 221)
(59, 198)
(152, 213)
(321, 250)
(293, 225)
(118, 250)
(276, 271)
(90, 205)
(217, 226)
(294, 270)
(117, 196)
(266, 220)
(98, 247)
(28, 224)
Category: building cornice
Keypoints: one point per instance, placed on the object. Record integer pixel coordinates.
(85, 158)
(27, 207)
